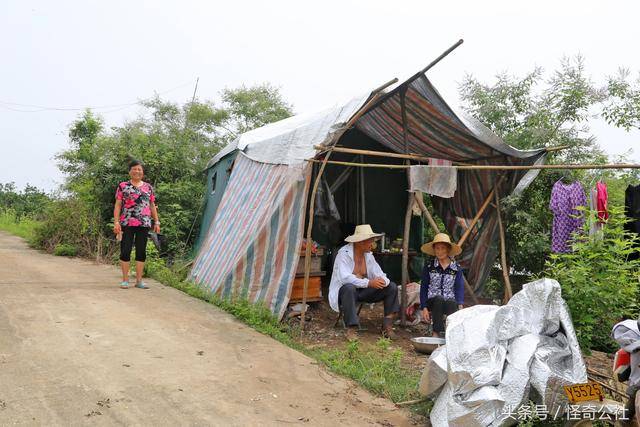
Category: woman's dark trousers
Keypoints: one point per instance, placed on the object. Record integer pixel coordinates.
(439, 307)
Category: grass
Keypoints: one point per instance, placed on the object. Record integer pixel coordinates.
(377, 368)
(24, 227)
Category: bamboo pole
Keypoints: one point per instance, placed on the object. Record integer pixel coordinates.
(415, 157)
(476, 218)
(425, 212)
(407, 217)
(436, 230)
(312, 201)
(363, 199)
(405, 260)
(388, 154)
(488, 167)
(508, 290)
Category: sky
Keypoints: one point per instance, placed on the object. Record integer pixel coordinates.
(61, 57)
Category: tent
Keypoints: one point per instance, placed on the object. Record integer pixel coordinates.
(259, 187)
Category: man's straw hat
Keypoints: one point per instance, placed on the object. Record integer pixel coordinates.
(427, 248)
(363, 232)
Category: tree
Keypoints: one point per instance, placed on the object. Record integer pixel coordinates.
(534, 112)
(174, 142)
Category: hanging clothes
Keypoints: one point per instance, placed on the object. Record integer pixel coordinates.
(602, 199)
(567, 219)
(595, 225)
(440, 178)
(632, 208)
(632, 212)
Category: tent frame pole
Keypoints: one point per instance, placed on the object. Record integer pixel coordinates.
(415, 157)
(407, 217)
(307, 253)
(476, 218)
(508, 290)
(489, 167)
(434, 227)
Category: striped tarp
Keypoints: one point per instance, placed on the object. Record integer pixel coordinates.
(435, 130)
(252, 247)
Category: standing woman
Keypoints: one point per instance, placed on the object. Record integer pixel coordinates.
(442, 286)
(135, 207)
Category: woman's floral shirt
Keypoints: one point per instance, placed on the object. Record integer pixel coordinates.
(136, 204)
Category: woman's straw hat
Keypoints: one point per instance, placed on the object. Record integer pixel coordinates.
(427, 248)
(363, 232)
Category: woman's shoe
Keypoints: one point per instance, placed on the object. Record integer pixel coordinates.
(141, 285)
(124, 285)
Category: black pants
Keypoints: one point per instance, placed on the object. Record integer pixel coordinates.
(349, 296)
(130, 235)
(439, 307)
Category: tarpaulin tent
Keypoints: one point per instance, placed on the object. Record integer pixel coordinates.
(252, 232)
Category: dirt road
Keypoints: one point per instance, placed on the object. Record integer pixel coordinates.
(77, 350)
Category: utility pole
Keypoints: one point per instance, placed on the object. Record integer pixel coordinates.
(194, 91)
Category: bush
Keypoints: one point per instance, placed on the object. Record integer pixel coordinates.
(72, 222)
(599, 282)
(64, 249)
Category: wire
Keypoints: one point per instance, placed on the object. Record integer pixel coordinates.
(110, 108)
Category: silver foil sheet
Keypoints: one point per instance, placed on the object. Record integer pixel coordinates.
(497, 358)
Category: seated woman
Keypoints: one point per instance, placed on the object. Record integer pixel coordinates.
(442, 287)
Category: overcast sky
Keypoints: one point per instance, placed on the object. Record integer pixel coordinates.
(74, 54)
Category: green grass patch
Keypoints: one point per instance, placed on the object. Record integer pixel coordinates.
(378, 368)
(64, 249)
(23, 227)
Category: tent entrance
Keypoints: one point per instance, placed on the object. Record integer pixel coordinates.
(365, 196)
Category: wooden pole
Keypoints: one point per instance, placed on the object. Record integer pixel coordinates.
(382, 154)
(489, 167)
(312, 201)
(407, 217)
(425, 212)
(434, 227)
(508, 290)
(476, 218)
(405, 260)
(363, 200)
(410, 156)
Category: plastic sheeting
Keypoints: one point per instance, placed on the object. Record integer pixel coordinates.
(291, 141)
(499, 357)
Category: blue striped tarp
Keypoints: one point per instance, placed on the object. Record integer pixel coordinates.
(252, 247)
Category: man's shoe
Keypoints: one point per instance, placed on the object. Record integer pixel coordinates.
(388, 332)
(351, 334)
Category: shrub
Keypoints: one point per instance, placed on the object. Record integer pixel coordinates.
(599, 282)
(64, 249)
(70, 222)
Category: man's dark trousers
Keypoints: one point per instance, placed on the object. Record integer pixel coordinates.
(349, 296)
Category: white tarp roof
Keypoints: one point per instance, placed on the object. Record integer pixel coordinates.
(291, 141)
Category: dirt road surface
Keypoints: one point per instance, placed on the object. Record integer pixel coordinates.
(77, 350)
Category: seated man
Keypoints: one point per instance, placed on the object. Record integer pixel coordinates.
(357, 278)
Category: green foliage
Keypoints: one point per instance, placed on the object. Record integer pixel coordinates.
(65, 249)
(622, 108)
(23, 227)
(250, 108)
(29, 202)
(378, 368)
(175, 144)
(599, 283)
(69, 222)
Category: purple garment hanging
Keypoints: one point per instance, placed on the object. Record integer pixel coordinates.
(565, 198)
